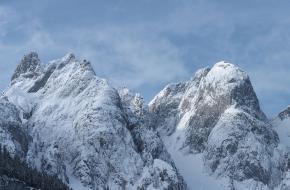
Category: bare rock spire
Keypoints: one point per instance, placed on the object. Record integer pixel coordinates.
(28, 66)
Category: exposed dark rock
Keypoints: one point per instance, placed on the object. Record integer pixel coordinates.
(28, 66)
(284, 114)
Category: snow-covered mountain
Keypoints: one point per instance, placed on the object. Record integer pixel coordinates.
(215, 121)
(206, 133)
(83, 131)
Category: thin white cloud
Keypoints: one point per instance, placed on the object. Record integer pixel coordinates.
(7, 16)
(130, 58)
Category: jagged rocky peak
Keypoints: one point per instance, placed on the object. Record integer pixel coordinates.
(135, 101)
(28, 66)
(285, 114)
(69, 57)
(38, 75)
(89, 134)
(229, 82)
(208, 94)
(217, 114)
(60, 63)
(225, 85)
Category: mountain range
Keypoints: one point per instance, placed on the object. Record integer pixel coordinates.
(209, 132)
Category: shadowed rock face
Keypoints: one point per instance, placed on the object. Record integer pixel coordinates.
(12, 134)
(166, 106)
(243, 147)
(28, 66)
(42, 81)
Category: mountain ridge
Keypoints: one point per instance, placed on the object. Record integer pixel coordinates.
(208, 132)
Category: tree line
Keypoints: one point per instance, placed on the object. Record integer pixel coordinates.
(14, 168)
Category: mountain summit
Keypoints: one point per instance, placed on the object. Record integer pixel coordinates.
(28, 65)
(81, 131)
(216, 117)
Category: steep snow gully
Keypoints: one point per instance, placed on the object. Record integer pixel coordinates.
(205, 133)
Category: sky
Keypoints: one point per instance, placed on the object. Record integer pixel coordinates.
(147, 44)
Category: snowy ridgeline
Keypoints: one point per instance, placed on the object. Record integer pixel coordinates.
(207, 133)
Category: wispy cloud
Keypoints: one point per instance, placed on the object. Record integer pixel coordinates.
(130, 58)
(127, 57)
(6, 16)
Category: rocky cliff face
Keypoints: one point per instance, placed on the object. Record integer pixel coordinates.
(13, 135)
(208, 132)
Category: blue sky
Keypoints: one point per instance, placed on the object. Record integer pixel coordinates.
(146, 44)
